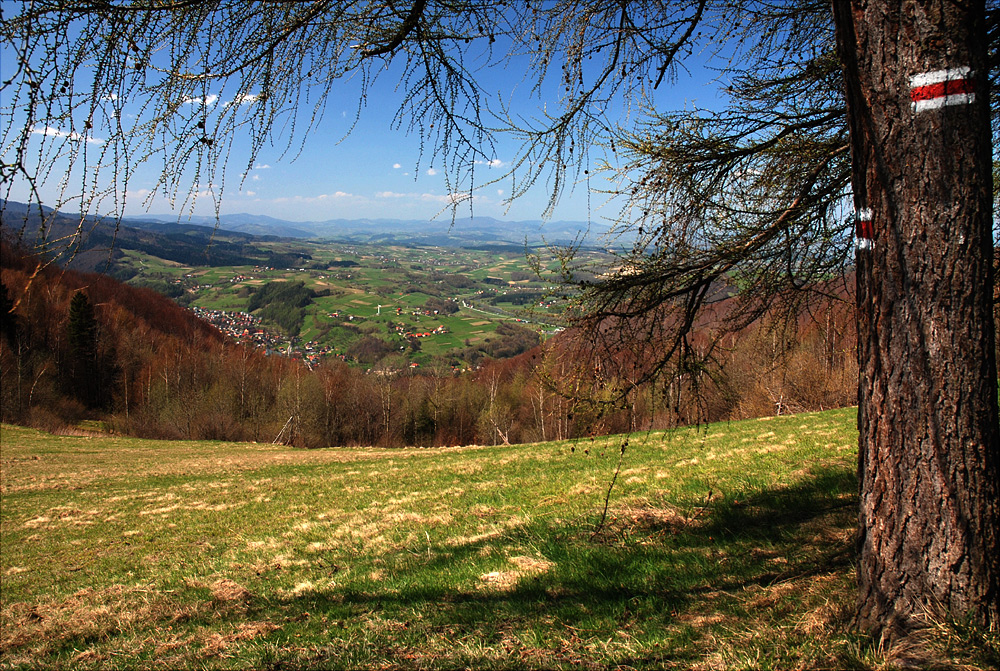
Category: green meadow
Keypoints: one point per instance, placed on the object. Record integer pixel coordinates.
(727, 546)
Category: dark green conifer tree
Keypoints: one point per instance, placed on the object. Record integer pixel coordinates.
(8, 320)
(83, 370)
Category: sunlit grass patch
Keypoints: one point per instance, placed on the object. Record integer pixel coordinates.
(722, 547)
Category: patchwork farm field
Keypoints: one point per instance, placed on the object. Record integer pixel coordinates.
(427, 305)
(723, 547)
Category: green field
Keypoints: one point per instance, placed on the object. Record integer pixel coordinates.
(725, 547)
(384, 294)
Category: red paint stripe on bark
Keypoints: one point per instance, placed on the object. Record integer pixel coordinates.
(864, 229)
(942, 89)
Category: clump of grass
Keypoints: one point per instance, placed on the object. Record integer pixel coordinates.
(959, 642)
(727, 547)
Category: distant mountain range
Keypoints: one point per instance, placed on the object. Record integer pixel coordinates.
(235, 238)
(465, 232)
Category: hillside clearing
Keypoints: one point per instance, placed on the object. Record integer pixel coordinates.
(724, 547)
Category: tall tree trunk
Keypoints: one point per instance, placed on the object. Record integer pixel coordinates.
(929, 450)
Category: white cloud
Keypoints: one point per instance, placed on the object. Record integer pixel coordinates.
(500, 192)
(447, 199)
(431, 171)
(495, 163)
(396, 166)
(255, 178)
(323, 197)
(49, 131)
(262, 166)
(250, 193)
(202, 191)
(207, 101)
(245, 99)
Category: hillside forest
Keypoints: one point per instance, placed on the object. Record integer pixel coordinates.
(79, 347)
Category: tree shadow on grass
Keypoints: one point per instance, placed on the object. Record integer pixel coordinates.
(636, 583)
(769, 513)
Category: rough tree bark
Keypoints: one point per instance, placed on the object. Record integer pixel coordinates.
(929, 448)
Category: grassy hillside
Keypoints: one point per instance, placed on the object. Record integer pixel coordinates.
(726, 547)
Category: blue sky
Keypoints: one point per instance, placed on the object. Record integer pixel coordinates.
(376, 171)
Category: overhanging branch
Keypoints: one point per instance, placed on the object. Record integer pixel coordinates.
(408, 25)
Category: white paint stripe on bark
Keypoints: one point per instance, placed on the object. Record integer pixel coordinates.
(938, 76)
(944, 101)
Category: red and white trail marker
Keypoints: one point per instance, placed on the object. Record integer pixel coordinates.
(933, 90)
(863, 228)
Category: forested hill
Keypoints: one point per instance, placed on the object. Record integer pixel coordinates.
(102, 241)
(77, 346)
